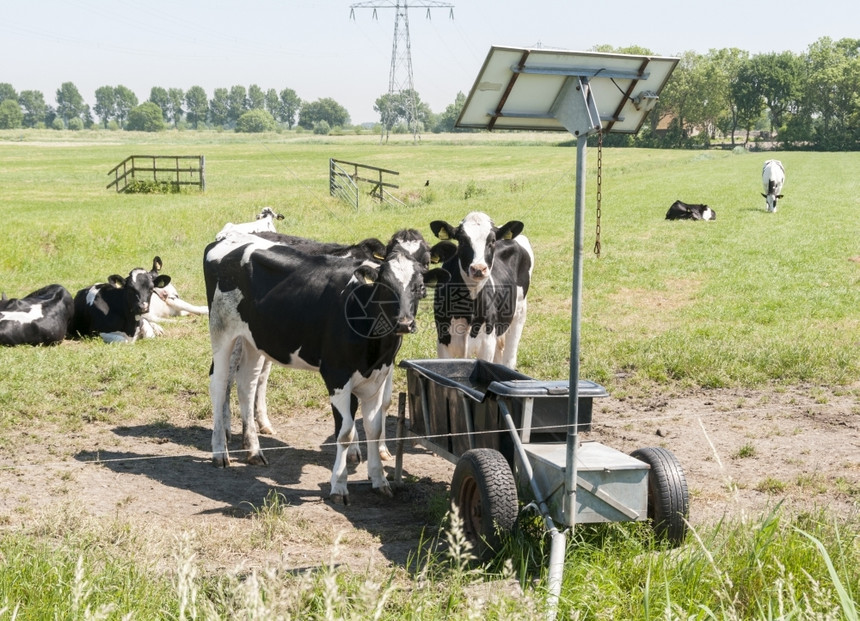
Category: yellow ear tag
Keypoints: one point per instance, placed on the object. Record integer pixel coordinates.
(368, 280)
(378, 257)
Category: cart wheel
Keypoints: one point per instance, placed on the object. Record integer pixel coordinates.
(484, 491)
(668, 498)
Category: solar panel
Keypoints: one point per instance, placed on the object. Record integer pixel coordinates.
(559, 90)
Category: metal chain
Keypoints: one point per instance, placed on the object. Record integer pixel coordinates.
(599, 191)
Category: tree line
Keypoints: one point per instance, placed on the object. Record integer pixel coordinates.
(808, 100)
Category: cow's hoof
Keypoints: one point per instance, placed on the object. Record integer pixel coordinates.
(384, 453)
(339, 499)
(267, 430)
(257, 459)
(221, 460)
(384, 490)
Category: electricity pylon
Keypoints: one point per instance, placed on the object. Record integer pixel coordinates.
(400, 80)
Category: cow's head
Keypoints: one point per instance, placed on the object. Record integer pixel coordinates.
(771, 197)
(476, 237)
(268, 212)
(138, 286)
(390, 290)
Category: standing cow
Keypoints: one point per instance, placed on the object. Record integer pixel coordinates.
(370, 249)
(115, 309)
(343, 318)
(40, 318)
(772, 178)
(481, 311)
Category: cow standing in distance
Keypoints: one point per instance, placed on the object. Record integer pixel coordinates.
(481, 311)
(40, 318)
(265, 222)
(343, 318)
(115, 309)
(772, 178)
(684, 211)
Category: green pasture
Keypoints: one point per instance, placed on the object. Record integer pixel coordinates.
(753, 299)
(750, 299)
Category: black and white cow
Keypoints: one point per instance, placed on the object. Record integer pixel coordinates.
(481, 311)
(343, 318)
(115, 309)
(265, 221)
(40, 318)
(683, 211)
(772, 179)
(370, 249)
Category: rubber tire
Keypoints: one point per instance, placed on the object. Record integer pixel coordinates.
(485, 494)
(668, 497)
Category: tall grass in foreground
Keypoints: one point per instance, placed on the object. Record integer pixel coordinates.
(779, 567)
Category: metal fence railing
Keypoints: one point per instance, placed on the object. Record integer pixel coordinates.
(344, 183)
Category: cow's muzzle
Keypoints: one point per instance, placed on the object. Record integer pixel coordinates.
(405, 326)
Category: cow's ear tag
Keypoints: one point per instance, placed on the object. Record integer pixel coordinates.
(116, 281)
(379, 256)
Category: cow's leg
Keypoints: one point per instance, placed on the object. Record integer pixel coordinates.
(371, 395)
(247, 376)
(384, 453)
(456, 348)
(261, 415)
(233, 367)
(340, 404)
(482, 346)
(353, 452)
(511, 341)
(219, 395)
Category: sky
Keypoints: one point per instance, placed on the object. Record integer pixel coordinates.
(323, 49)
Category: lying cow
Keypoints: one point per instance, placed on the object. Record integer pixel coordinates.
(481, 311)
(772, 178)
(115, 309)
(265, 222)
(40, 318)
(343, 318)
(683, 211)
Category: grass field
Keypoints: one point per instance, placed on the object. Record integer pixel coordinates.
(753, 299)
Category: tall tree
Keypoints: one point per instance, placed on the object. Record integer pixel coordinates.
(237, 103)
(273, 103)
(724, 66)
(746, 98)
(447, 119)
(219, 107)
(125, 101)
(158, 96)
(105, 106)
(290, 106)
(831, 88)
(256, 98)
(10, 114)
(7, 91)
(34, 107)
(175, 97)
(325, 109)
(197, 105)
(779, 81)
(70, 104)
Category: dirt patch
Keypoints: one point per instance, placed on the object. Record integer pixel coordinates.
(743, 451)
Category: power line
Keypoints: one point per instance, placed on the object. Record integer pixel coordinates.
(400, 81)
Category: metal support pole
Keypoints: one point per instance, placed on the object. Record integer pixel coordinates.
(575, 316)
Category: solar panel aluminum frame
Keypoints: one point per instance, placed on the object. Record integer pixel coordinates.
(537, 89)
